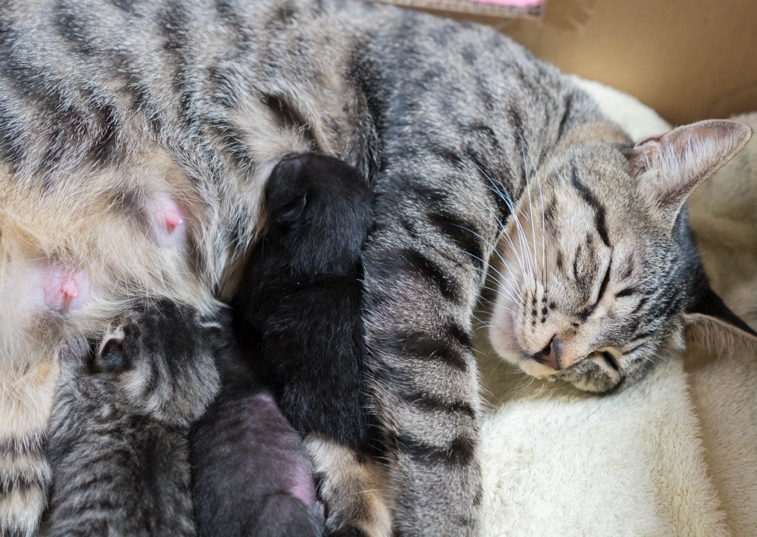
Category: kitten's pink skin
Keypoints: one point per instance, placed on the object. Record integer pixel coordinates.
(168, 221)
(299, 481)
(64, 289)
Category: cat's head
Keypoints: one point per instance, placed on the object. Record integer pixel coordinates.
(598, 271)
(319, 212)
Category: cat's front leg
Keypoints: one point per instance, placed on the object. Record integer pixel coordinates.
(423, 271)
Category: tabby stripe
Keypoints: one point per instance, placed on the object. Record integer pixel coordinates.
(72, 29)
(432, 271)
(575, 263)
(593, 202)
(462, 233)
(431, 403)
(172, 22)
(124, 5)
(12, 148)
(21, 484)
(460, 334)
(565, 116)
(422, 346)
(104, 147)
(284, 14)
(230, 18)
(232, 143)
(459, 452)
(639, 305)
(289, 115)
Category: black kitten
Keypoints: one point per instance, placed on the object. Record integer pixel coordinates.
(118, 441)
(301, 295)
(300, 306)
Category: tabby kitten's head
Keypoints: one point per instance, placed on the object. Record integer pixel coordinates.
(598, 268)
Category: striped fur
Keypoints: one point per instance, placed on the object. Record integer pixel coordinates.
(118, 442)
(105, 103)
(599, 271)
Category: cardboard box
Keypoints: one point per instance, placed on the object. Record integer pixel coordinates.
(687, 59)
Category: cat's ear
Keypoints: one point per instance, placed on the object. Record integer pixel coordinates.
(712, 324)
(668, 167)
(289, 213)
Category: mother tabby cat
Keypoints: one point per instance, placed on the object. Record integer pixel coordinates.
(135, 139)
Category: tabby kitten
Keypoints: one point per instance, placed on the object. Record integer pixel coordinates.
(300, 296)
(438, 115)
(118, 439)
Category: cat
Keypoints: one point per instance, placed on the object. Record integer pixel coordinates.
(300, 296)
(106, 105)
(118, 440)
(607, 274)
(251, 474)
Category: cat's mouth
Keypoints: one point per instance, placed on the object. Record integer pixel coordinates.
(599, 372)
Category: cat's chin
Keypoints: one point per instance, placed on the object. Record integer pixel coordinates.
(591, 374)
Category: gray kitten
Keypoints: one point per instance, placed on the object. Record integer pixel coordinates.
(118, 440)
(158, 122)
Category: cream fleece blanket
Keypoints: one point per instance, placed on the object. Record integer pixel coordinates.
(675, 454)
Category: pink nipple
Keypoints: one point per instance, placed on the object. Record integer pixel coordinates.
(69, 289)
(172, 219)
(63, 288)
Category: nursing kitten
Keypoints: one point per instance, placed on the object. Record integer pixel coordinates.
(118, 440)
(189, 105)
(301, 297)
(251, 475)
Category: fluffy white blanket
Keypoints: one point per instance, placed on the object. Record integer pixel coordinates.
(675, 454)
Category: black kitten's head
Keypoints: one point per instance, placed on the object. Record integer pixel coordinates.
(319, 214)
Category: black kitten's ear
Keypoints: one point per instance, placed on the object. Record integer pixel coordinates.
(670, 166)
(289, 213)
(711, 323)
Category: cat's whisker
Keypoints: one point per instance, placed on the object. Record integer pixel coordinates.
(493, 247)
(511, 206)
(494, 251)
(525, 147)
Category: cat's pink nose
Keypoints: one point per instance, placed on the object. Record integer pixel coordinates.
(550, 354)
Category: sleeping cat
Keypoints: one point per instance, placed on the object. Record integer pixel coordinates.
(107, 105)
(599, 272)
(118, 440)
(300, 296)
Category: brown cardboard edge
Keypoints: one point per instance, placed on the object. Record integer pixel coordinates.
(472, 8)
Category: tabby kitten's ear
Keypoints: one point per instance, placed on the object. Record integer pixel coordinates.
(712, 324)
(670, 166)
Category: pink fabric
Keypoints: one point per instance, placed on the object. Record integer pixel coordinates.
(513, 3)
